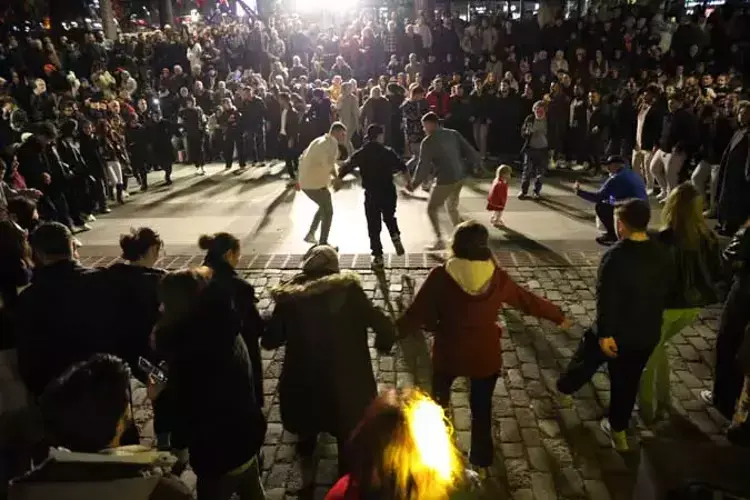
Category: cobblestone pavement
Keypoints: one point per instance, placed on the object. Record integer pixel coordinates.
(543, 451)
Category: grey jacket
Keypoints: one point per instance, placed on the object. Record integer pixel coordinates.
(446, 154)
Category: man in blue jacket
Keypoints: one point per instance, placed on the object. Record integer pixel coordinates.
(623, 184)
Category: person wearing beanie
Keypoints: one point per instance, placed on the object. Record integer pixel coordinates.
(377, 164)
(322, 316)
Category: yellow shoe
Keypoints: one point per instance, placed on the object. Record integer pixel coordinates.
(618, 439)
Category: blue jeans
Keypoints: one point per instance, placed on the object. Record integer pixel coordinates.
(535, 166)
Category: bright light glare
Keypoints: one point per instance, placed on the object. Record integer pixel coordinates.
(318, 5)
(432, 438)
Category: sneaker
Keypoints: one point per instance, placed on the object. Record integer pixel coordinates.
(618, 439)
(438, 246)
(565, 400)
(378, 262)
(522, 196)
(167, 182)
(310, 238)
(398, 246)
(89, 218)
(201, 171)
(80, 228)
(707, 397)
(535, 195)
(291, 183)
(105, 210)
(125, 195)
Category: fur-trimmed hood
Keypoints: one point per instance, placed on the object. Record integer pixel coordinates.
(303, 285)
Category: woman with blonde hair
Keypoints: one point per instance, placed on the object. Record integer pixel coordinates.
(403, 449)
(696, 269)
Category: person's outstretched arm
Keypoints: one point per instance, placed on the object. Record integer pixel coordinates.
(519, 298)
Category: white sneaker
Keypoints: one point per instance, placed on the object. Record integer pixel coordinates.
(310, 238)
(618, 439)
(707, 397)
(89, 218)
(438, 246)
(125, 195)
(83, 227)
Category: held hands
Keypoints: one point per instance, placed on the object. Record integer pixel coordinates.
(410, 187)
(35, 193)
(566, 324)
(46, 178)
(608, 346)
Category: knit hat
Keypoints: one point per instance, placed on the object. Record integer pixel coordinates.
(321, 259)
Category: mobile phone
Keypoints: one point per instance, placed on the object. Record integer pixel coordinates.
(152, 370)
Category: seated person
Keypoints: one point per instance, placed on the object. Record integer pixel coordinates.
(85, 412)
(622, 184)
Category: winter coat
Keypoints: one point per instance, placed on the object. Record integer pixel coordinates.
(132, 294)
(126, 473)
(348, 111)
(326, 381)
(211, 383)
(253, 326)
(460, 301)
(498, 196)
(54, 330)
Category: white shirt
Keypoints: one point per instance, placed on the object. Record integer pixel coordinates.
(318, 162)
(283, 121)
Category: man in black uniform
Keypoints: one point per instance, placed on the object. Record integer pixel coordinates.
(253, 111)
(377, 164)
(229, 123)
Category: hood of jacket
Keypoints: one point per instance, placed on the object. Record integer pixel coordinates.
(126, 473)
(303, 286)
(473, 276)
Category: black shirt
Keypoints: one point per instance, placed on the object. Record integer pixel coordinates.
(631, 292)
(377, 164)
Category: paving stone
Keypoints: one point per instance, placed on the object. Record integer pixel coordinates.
(689, 379)
(596, 489)
(538, 458)
(525, 417)
(571, 483)
(543, 485)
(517, 471)
(530, 371)
(512, 450)
(523, 494)
(549, 428)
(509, 432)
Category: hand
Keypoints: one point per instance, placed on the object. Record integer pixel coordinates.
(410, 187)
(608, 346)
(566, 324)
(46, 178)
(337, 184)
(577, 187)
(154, 388)
(35, 193)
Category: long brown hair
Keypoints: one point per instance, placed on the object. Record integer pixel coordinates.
(683, 214)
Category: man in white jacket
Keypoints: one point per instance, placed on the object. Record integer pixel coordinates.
(317, 165)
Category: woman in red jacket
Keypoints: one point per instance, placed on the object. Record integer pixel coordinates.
(459, 302)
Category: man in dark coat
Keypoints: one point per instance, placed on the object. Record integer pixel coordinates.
(253, 118)
(54, 333)
(734, 176)
(326, 384)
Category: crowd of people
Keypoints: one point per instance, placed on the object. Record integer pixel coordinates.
(84, 116)
(663, 104)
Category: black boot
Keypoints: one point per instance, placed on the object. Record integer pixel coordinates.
(120, 189)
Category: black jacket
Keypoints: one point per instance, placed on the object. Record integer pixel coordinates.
(680, 132)
(696, 272)
(59, 322)
(160, 134)
(211, 383)
(377, 164)
(326, 382)
(92, 156)
(253, 113)
(631, 293)
(244, 302)
(70, 154)
(652, 125)
(131, 293)
(32, 162)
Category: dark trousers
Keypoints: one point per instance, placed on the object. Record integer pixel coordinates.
(256, 144)
(606, 214)
(272, 142)
(195, 150)
(53, 206)
(79, 198)
(247, 485)
(535, 166)
(380, 208)
(480, 401)
(140, 171)
(306, 449)
(166, 165)
(729, 377)
(232, 139)
(624, 375)
(289, 155)
(99, 192)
